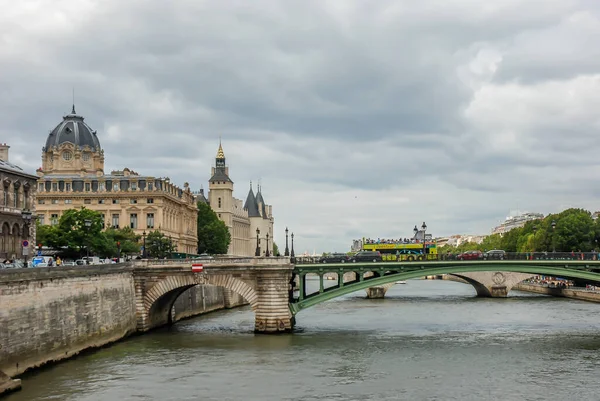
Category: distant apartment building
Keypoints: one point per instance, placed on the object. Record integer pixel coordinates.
(457, 239)
(516, 222)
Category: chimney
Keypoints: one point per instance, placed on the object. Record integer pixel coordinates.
(4, 152)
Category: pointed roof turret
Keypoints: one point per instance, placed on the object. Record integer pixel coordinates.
(261, 203)
(251, 204)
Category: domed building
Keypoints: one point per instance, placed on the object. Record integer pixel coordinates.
(73, 148)
(72, 175)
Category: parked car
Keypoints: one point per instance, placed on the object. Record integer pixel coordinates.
(495, 254)
(204, 256)
(367, 256)
(470, 255)
(335, 258)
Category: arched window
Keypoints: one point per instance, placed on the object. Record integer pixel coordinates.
(219, 202)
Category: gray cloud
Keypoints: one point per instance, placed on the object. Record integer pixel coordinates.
(360, 118)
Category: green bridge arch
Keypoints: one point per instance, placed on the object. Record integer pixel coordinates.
(390, 272)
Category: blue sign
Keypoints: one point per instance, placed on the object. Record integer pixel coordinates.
(39, 253)
(25, 243)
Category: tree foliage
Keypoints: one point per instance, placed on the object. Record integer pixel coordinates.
(73, 237)
(158, 245)
(275, 249)
(213, 234)
(574, 230)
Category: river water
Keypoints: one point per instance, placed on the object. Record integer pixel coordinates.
(428, 340)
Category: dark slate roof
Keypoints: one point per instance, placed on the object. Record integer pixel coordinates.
(261, 203)
(220, 175)
(251, 205)
(200, 196)
(72, 129)
(13, 168)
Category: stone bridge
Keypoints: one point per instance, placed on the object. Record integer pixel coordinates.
(263, 282)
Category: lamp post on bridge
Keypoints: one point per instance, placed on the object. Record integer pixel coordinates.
(553, 236)
(292, 255)
(144, 245)
(287, 250)
(424, 228)
(26, 215)
(267, 251)
(88, 224)
(257, 252)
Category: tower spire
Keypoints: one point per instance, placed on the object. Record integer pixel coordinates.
(220, 153)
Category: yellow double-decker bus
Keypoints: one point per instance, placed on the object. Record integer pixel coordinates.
(399, 251)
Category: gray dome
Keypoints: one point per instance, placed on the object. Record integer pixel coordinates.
(72, 129)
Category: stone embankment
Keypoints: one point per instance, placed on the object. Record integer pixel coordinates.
(49, 314)
(574, 293)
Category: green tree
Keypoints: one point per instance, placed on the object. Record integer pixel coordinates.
(275, 249)
(126, 237)
(158, 245)
(74, 237)
(213, 234)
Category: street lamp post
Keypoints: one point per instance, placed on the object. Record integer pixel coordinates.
(287, 250)
(144, 245)
(424, 228)
(553, 236)
(292, 255)
(88, 224)
(267, 251)
(257, 252)
(26, 215)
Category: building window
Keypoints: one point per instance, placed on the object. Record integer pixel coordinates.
(149, 186)
(150, 220)
(55, 186)
(115, 220)
(54, 201)
(133, 201)
(41, 201)
(133, 186)
(150, 200)
(86, 156)
(101, 201)
(116, 186)
(41, 187)
(219, 215)
(133, 220)
(68, 186)
(88, 186)
(16, 198)
(68, 201)
(100, 186)
(67, 156)
(219, 203)
(115, 201)
(54, 219)
(41, 219)
(87, 201)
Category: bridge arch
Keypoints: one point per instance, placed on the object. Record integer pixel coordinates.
(158, 301)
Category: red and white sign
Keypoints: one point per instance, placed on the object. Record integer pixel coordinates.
(197, 267)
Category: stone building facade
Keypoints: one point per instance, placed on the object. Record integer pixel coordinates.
(72, 176)
(246, 220)
(18, 208)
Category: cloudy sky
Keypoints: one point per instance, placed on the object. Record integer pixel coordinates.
(360, 118)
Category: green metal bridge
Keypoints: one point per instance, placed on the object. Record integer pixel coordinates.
(366, 275)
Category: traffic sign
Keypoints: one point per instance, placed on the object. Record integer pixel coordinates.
(197, 267)
(25, 243)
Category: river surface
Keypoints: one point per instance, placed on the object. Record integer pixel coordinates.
(428, 340)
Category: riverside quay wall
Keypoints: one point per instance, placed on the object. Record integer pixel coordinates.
(574, 293)
(48, 314)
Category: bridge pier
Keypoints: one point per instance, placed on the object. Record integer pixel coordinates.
(7, 384)
(493, 284)
(272, 313)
